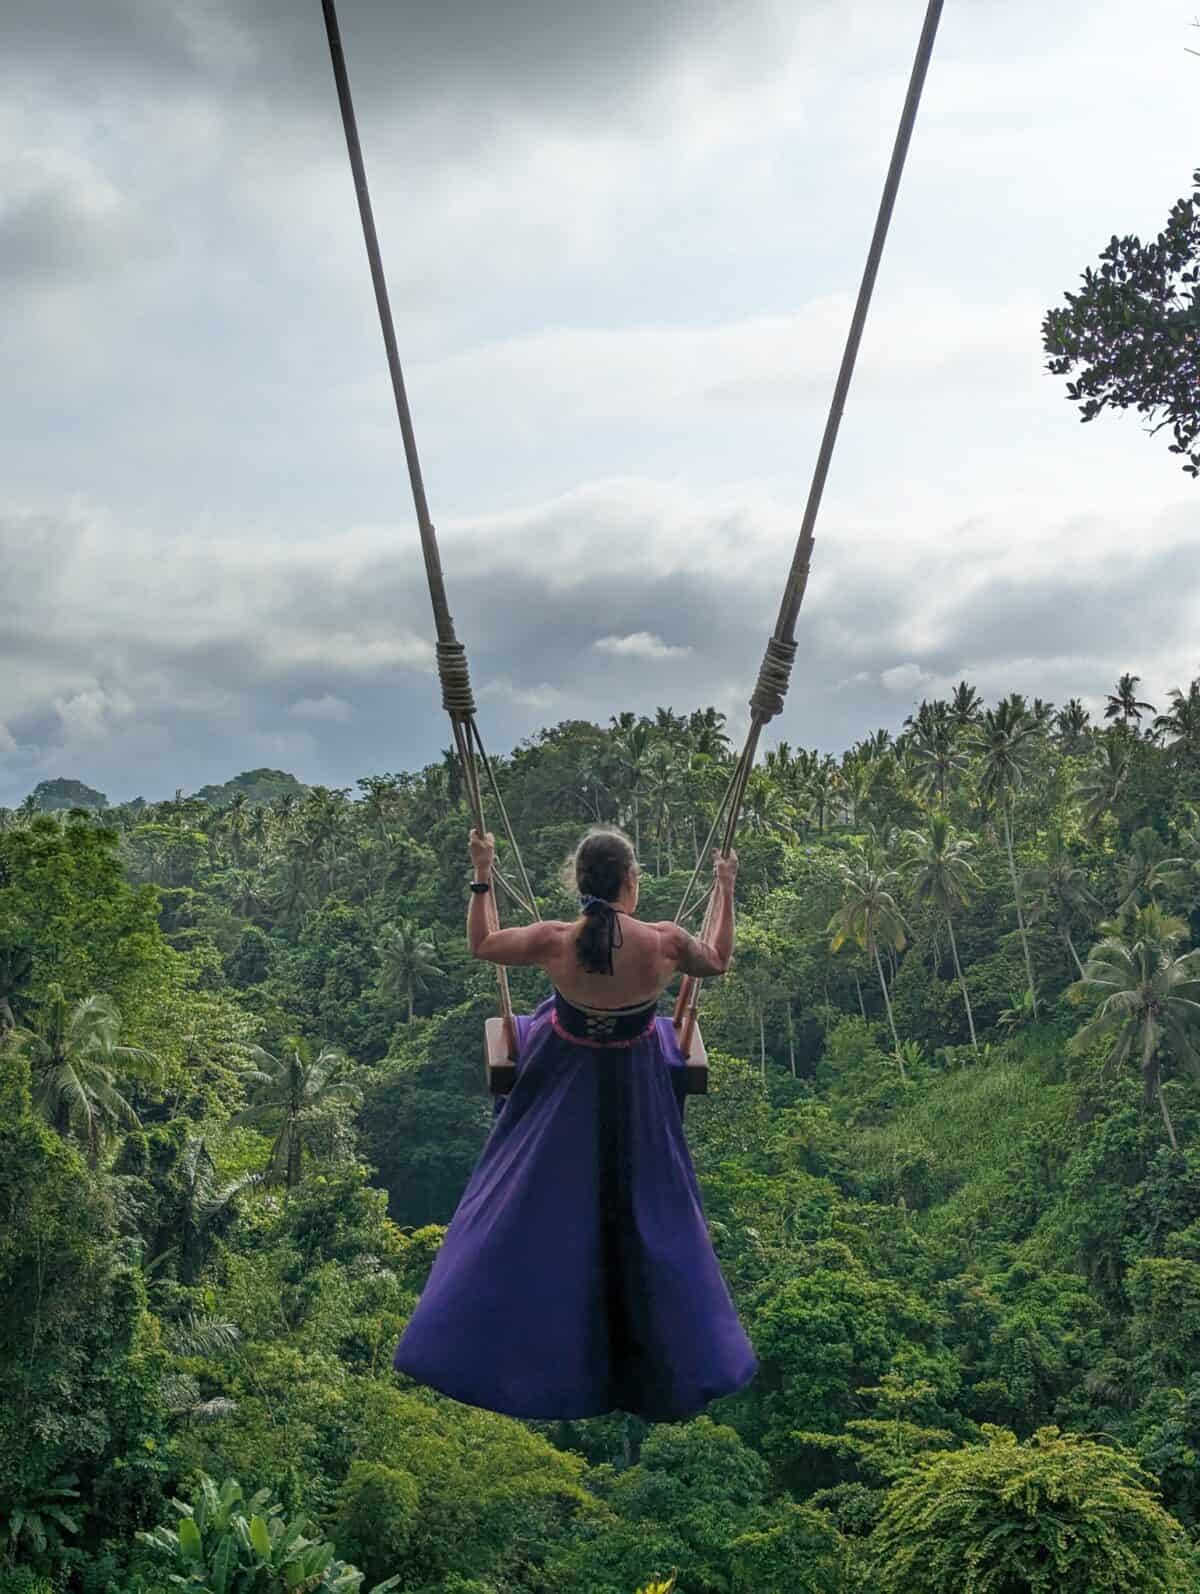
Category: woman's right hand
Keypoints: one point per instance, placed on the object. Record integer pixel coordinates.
(725, 870)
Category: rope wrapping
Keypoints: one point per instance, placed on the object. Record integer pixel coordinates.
(774, 678)
(457, 697)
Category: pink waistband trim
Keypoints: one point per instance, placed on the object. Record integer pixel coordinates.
(601, 1046)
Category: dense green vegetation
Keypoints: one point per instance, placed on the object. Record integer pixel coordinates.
(951, 1163)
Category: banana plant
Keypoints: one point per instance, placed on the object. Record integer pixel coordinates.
(226, 1544)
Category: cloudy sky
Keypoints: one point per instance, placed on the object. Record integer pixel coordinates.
(622, 242)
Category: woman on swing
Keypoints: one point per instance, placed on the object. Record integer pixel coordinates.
(577, 1276)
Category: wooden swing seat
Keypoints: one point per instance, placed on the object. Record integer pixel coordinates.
(502, 1070)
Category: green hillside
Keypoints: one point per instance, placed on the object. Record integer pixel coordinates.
(241, 1089)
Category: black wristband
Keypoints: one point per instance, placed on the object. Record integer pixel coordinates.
(479, 886)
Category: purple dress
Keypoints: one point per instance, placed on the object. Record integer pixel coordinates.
(577, 1276)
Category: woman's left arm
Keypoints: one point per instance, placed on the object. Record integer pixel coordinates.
(522, 945)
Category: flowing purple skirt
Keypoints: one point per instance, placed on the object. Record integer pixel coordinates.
(577, 1276)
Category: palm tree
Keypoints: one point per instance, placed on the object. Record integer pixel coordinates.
(304, 1092)
(965, 706)
(202, 1200)
(407, 959)
(16, 971)
(932, 747)
(1123, 704)
(942, 874)
(1098, 789)
(76, 1061)
(632, 740)
(662, 782)
(1006, 741)
(766, 808)
(869, 915)
(823, 783)
(1150, 999)
(1062, 887)
(1147, 870)
(707, 733)
(295, 892)
(1179, 727)
(1073, 724)
(857, 773)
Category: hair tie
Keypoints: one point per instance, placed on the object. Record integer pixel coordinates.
(600, 908)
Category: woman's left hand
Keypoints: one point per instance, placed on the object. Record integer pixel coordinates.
(483, 853)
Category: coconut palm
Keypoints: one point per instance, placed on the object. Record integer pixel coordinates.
(632, 740)
(1123, 704)
(1179, 727)
(662, 790)
(202, 1200)
(870, 916)
(1061, 888)
(766, 807)
(938, 761)
(941, 872)
(857, 773)
(295, 891)
(1006, 741)
(823, 782)
(1098, 789)
(1147, 869)
(407, 959)
(966, 705)
(76, 1061)
(1149, 999)
(304, 1093)
(16, 971)
(1072, 725)
(707, 733)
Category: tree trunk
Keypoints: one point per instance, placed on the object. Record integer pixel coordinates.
(762, 1041)
(1149, 1071)
(861, 1004)
(791, 1024)
(1071, 948)
(887, 1002)
(962, 982)
(1166, 1117)
(1012, 867)
(410, 1003)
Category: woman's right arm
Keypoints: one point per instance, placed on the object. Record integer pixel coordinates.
(713, 953)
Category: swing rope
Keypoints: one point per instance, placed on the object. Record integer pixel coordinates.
(774, 675)
(457, 697)
(775, 672)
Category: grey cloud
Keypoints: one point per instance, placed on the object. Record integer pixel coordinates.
(69, 223)
(469, 51)
(132, 697)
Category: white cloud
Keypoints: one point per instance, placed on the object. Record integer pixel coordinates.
(640, 645)
(903, 677)
(540, 697)
(91, 714)
(326, 707)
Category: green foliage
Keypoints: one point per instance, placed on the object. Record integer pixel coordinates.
(226, 1544)
(1059, 1515)
(255, 785)
(1003, 1234)
(51, 796)
(1129, 335)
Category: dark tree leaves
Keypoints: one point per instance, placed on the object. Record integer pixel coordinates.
(1131, 338)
